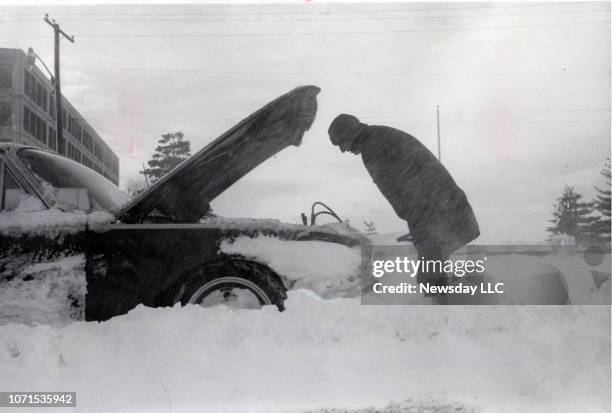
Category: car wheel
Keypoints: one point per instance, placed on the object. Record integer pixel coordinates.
(236, 284)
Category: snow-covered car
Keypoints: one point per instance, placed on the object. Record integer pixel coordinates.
(66, 231)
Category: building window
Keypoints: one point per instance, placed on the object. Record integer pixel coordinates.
(39, 94)
(61, 145)
(27, 84)
(26, 119)
(87, 141)
(5, 114)
(34, 125)
(45, 99)
(115, 167)
(108, 160)
(52, 141)
(73, 153)
(38, 127)
(35, 90)
(98, 152)
(6, 77)
(86, 161)
(52, 107)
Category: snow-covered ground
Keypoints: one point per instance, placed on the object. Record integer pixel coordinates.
(320, 354)
(45, 293)
(324, 353)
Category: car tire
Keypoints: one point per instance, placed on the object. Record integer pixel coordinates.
(221, 280)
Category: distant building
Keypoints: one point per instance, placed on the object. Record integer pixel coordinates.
(28, 116)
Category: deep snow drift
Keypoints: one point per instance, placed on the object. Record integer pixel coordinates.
(320, 353)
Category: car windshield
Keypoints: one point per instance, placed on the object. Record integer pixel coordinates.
(71, 183)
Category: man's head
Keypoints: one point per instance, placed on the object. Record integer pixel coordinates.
(343, 132)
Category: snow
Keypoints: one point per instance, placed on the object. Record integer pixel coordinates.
(324, 353)
(45, 293)
(277, 226)
(45, 222)
(99, 219)
(329, 269)
(29, 203)
(243, 222)
(250, 224)
(321, 354)
(50, 222)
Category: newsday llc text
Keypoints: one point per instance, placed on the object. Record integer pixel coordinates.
(426, 288)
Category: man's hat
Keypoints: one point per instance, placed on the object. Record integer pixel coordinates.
(344, 127)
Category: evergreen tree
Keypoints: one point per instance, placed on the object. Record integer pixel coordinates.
(572, 216)
(172, 150)
(603, 205)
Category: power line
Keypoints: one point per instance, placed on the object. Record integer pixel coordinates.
(365, 74)
(509, 121)
(158, 35)
(289, 34)
(429, 115)
(287, 12)
(515, 121)
(512, 113)
(322, 18)
(405, 121)
(10, 35)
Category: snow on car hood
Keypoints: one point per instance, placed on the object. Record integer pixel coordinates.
(184, 194)
(343, 232)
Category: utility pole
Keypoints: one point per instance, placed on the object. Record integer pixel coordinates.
(438, 123)
(61, 146)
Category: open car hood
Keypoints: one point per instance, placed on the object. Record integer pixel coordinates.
(184, 194)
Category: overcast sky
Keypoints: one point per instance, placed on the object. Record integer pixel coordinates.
(523, 90)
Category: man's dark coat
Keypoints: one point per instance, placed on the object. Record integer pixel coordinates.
(420, 190)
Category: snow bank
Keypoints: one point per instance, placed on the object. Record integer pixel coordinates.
(329, 269)
(320, 354)
(45, 293)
